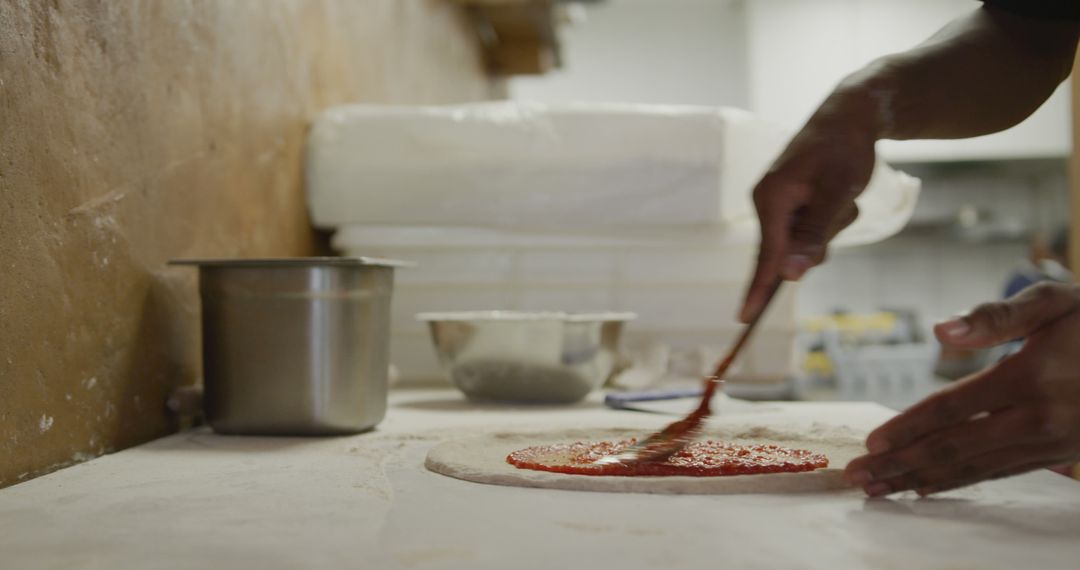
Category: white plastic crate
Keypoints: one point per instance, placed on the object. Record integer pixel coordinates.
(686, 297)
(699, 306)
(566, 267)
(414, 356)
(770, 358)
(593, 207)
(462, 267)
(585, 166)
(695, 307)
(892, 375)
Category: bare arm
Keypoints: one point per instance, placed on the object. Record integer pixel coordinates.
(981, 74)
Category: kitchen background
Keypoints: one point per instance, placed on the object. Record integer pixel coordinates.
(779, 58)
(134, 133)
(131, 134)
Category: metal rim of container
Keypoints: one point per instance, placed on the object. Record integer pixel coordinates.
(352, 261)
(524, 316)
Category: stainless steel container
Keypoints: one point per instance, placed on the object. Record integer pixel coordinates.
(521, 357)
(295, 346)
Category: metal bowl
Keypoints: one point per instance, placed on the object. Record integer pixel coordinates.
(295, 346)
(523, 357)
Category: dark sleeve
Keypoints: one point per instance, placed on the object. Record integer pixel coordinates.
(1045, 9)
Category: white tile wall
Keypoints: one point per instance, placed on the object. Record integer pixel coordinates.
(453, 267)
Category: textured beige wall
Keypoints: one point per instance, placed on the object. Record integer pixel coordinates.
(132, 132)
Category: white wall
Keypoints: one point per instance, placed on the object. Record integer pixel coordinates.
(778, 58)
(650, 51)
(799, 50)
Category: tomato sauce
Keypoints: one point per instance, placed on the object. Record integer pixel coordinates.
(699, 459)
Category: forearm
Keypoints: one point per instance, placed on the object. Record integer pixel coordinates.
(982, 74)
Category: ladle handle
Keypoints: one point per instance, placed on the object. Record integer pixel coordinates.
(713, 381)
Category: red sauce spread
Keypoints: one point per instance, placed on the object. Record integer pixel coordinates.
(699, 459)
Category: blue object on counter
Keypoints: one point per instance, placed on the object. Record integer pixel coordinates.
(625, 400)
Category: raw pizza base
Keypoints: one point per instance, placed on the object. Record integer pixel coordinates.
(482, 459)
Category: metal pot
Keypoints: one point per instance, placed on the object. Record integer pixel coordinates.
(295, 346)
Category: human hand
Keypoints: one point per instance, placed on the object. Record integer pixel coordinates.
(808, 195)
(1016, 416)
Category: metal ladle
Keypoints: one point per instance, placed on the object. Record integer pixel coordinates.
(676, 436)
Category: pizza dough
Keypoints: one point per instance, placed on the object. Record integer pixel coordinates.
(482, 459)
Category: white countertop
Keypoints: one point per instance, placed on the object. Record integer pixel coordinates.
(201, 500)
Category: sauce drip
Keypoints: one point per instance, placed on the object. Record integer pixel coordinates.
(698, 459)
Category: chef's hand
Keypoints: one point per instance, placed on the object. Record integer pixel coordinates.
(1019, 415)
(808, 195)
(960, 83)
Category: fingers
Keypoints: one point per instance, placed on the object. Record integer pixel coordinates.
(793, 238)
(1020, 316)
(1021, 414)
(986, 391)
(802, 203)
(829, 209)
(849, 214)
(1000, 474)
(904, 467)
(991, 465)
(776, 203)
(813, 227)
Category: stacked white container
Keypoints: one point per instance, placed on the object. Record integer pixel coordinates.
(586, 208)
(684, 288)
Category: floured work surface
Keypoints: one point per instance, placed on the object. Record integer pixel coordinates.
(482, 459)
(202, 500)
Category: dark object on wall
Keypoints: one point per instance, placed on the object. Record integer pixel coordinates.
(519, 37)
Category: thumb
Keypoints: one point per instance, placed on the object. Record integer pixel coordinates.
(990, 324)
(813, 227)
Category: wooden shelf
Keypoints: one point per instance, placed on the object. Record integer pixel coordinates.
(519, 37)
